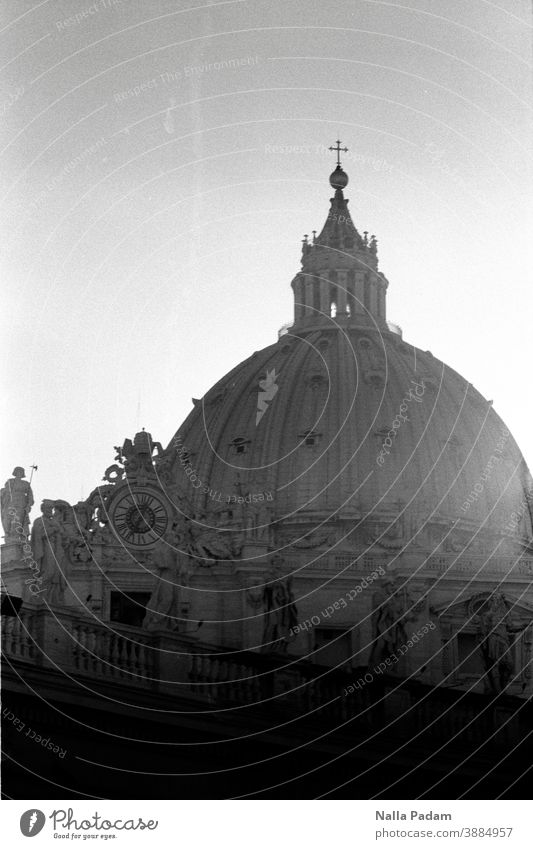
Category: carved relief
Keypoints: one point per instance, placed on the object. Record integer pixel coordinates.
(173, 569)
(280, 614)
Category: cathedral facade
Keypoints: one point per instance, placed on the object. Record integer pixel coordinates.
(340, 502)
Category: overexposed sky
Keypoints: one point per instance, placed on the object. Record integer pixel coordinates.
(162, 160)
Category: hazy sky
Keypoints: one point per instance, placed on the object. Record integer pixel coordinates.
(151, 229)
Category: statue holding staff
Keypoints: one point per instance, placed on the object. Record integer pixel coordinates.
(16, 500)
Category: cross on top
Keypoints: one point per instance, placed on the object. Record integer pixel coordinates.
(338, 150)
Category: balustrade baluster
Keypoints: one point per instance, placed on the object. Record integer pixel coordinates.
(139, 659)
(194, 673)
(114, 656)
(8, 641)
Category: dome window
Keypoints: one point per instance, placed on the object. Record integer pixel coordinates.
(364, 343)
(316, 381)
(310, 437)
(240, 445)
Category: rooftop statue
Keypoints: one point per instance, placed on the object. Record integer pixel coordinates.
(48, 542)
(392, 609)
(173, 570)
(16, 500)
(495, 636)
(280, 614)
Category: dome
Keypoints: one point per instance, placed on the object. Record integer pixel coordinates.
(341, 420)
(355, 422)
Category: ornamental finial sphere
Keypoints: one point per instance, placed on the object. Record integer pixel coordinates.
(339, 178)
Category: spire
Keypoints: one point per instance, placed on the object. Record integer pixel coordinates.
(339, 276)
(339, 230)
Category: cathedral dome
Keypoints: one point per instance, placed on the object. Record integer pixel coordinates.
(340, 419)
(344, 420)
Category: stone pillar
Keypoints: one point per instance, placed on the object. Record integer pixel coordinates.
(342, 296)
(351, 291)
(308, 296)
(382, 311)
(324, 297)
(373, 296)
(332, 288)
(299, 309)
(359, 291)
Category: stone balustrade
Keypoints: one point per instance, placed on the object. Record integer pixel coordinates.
(177, 667)
(447, 565)
(17, 636)
(103, 652)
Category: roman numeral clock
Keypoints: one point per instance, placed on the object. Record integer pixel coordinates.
(139, 516)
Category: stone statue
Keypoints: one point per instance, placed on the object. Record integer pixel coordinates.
(494, 634)
(173, 570)
(97, 501)
(137, 457)
(390, 614)
(16, 500)
(64, 514)
(280, 614)
(204, 541)
(48, 547)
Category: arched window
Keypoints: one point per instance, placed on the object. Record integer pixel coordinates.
(240, 445)
(333, 309)
(310, 437)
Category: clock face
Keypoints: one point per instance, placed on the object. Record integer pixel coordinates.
(140, 517)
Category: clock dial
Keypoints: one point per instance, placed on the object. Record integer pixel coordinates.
(140, 516)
